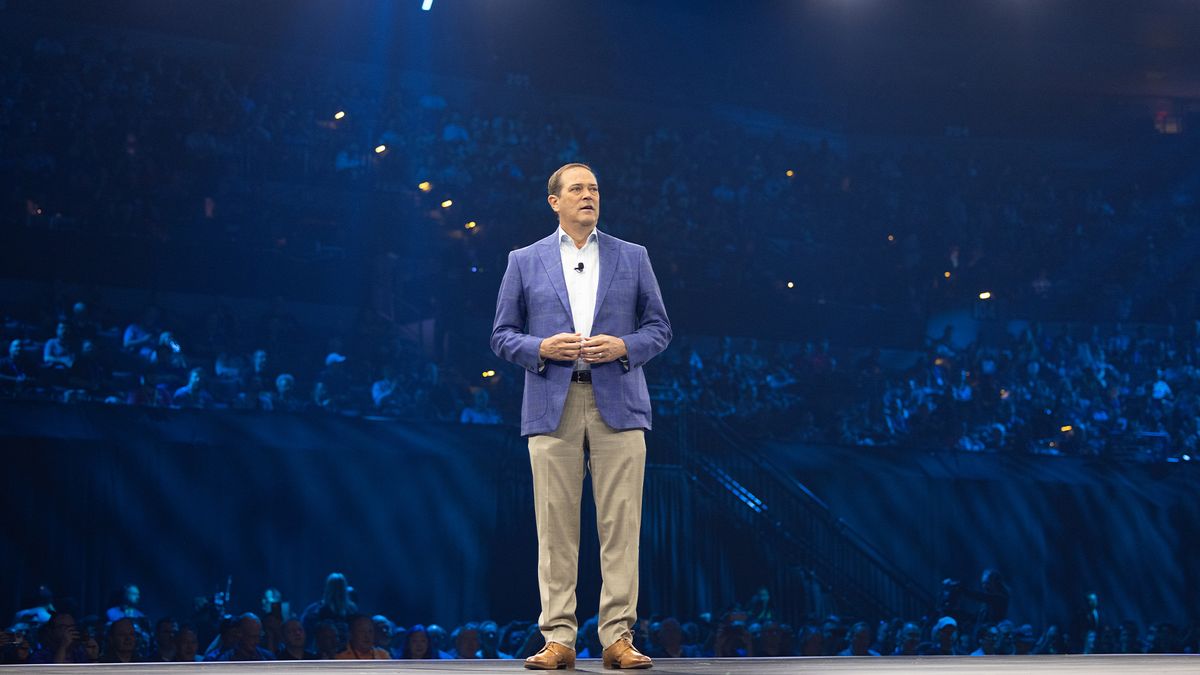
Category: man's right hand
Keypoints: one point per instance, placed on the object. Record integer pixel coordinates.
(561, 347)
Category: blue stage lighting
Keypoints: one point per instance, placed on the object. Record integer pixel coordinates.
(426, 5)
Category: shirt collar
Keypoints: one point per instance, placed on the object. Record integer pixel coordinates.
(564, 238)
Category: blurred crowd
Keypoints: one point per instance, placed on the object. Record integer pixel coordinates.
(968, 621)
(1128, 393)
(219, 361)
(107, 135)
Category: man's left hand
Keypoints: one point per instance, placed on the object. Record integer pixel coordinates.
(603, 348)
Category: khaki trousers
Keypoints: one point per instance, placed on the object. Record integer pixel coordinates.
(617, 462)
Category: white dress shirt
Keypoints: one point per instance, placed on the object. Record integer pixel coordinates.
(581, 285)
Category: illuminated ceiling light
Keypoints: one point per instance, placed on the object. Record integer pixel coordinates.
(791, 284)
(339, 114)
(424, 186)
(380, 149)
(1066, 428)
(447, 203)
(426, 5)
(946, 274)
(471, 225)
(986, 295)
(891, 237)
(790, 173)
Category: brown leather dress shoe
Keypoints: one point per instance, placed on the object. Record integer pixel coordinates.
(621, 654)
(552, 657)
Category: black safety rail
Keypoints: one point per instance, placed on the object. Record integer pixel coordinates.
(807, 534)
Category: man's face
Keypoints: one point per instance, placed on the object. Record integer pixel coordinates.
(293, 633)
(124, 637)
(418, 644)
(61, 331)
(260, 360)
(14, 349)
(249, 633)
(578, 200)
(132, 595)
(63, 624)
(188, 642)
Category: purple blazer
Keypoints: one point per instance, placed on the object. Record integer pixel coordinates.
(533, 305)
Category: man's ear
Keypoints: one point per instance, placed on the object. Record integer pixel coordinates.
(553, 201)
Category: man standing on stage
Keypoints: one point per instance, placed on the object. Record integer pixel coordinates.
(581, 312)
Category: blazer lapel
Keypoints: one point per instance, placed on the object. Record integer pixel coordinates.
(552, 261)
(610, 258)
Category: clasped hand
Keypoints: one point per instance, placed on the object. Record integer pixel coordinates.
(573, 346)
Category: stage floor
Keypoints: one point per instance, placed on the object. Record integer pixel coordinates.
(949, 665)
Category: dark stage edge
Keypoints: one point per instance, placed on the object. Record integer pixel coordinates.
(944, 665)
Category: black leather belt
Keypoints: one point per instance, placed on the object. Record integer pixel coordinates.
(584, 376)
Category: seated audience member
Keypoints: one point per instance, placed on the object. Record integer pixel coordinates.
(322, 399)
(285, 399)
(987, 636)
(361, 643)
(62, 642)
(489, 641)
(942, 638)
(418, 645)
(438, 638)
(60, 351)
(336, 380)
(246, 640)
(860, 641)
(466, 641)
(187, 645)
(272, 623)
(121, 646)
(163, 648)
(292, 648)
(225, 638)
(168, 356)
(512, 639)
(812, 641)
(259, 382)
(12, 366)
(772, 639)
(384, 391)
(383, 631)
(139, 337)
(480, 412)
(733, 639)
(667, 641)
(14, 646)
(1024, 640)
(83, 325)
(327, 639)
(91, 645)
(908, 640)
(194, 394)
